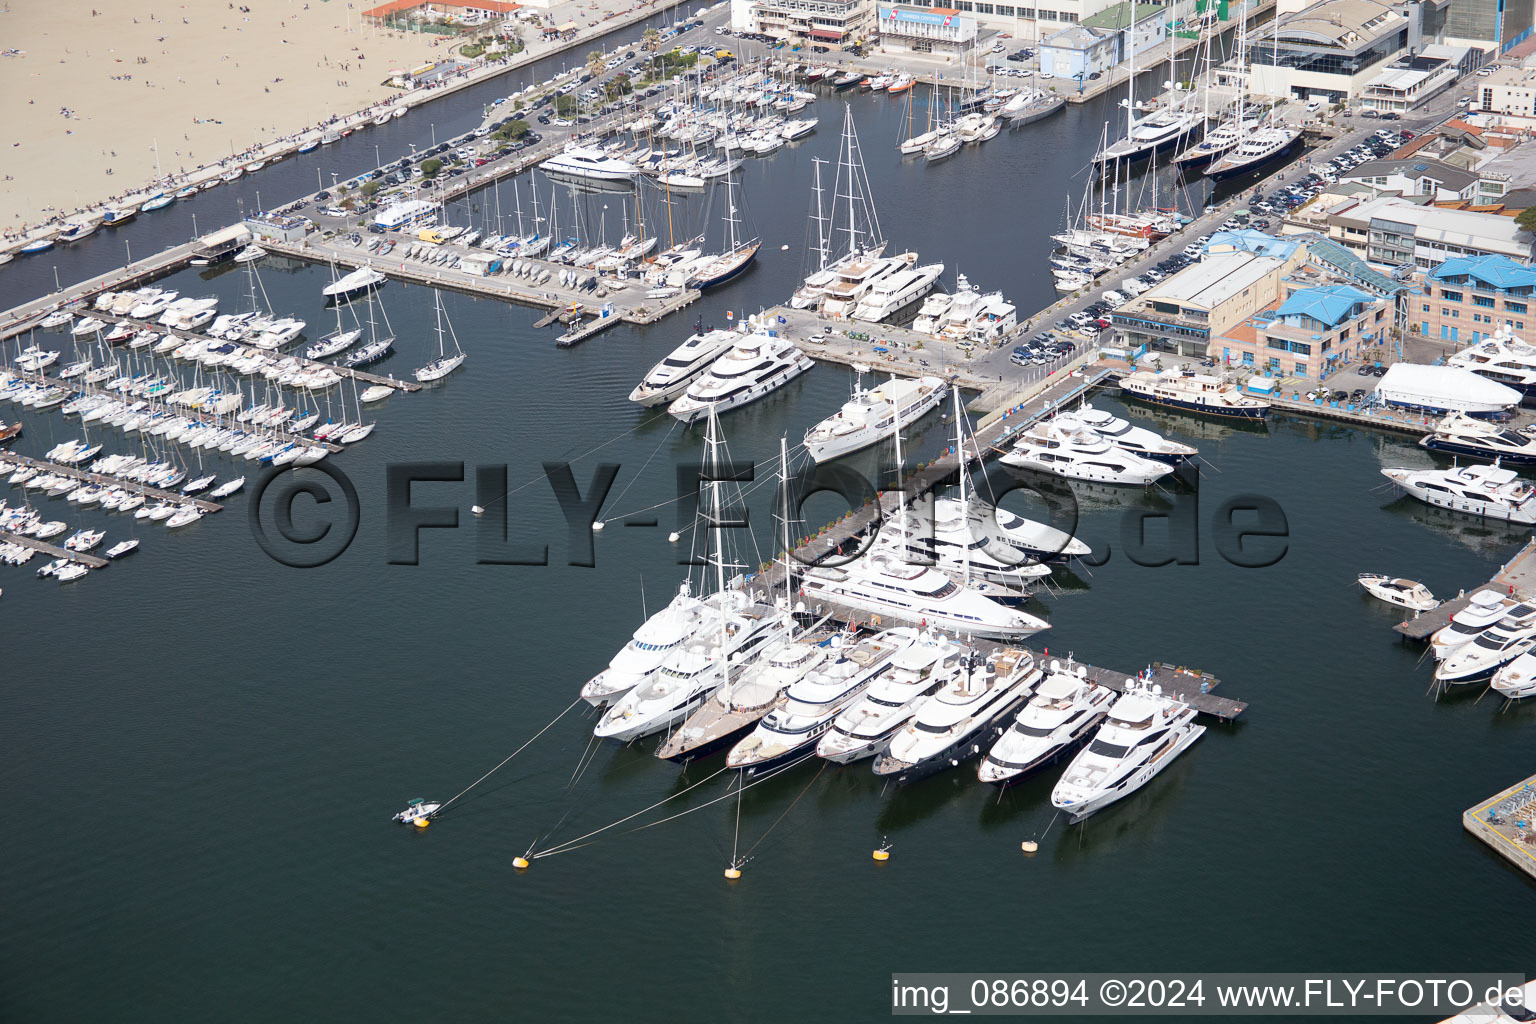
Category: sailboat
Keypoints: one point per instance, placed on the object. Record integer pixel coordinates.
(1260, 145)
(338, 340)
(862, 238)
(1155, 132)
(915, 144)
(444, 364)
(738, 255)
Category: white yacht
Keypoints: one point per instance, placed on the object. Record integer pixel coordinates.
(1492, 492)
(1408, 594)
(1460, 434)
(815, 700)
(864, 728)
(814, 287)
(1145, 731)
(1195, 392)
(1501, 357)
(444, 364)
(758, 365)
(970, 315)
(869, 415)
(961, 719)
(898, 292)
(698, 669)
(1516, 680)
(1075, 452)
(1502, 642)
(1153, 134)
(881, 583)
(682, 366)
(745, 699)
(1064, 709)
(586, 164)
(856, 279)
(999, 545)
(1483, 609)
(1149, 444)
(356, 283)
(652, 644)
(1257, 148)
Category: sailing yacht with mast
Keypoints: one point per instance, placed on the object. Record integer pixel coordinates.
(444, 364)
(1271, 141)
(738, 254)
(861, 239)
(1146, 136)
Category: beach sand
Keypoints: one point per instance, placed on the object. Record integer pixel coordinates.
(91, 96)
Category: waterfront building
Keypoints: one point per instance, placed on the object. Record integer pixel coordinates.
(1311, 330)
(1396, 231)
(468, 13)
(1415, 78)
(1415, 175)
(276, 227)
(834, 23)
(1469, 297)
(938, 30)
(1079, 52)
(1334, 48)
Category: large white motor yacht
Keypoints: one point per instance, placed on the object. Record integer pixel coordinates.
(814, 702)
(1502, 642)
(1149, 444)
(1066, 706)
(757, 366)
(1483, 609)
(1492, 492)
(961, 719)
(1075, 452)
(586, 164)
(1145, 731)
(682, 366)
(864, 729)
(897, 292)
(652, 644)
(868, 416)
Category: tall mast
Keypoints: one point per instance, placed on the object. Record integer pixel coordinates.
(965, 509)
(821, 222)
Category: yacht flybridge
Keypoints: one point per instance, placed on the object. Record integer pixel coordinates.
(584, 164)
(865, 728)
(1061, 713)
(868, 416)
(758, 365)
(1501, 357)
(682, 366)
(1492, 492)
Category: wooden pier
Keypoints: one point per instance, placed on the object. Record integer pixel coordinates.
(1516, 577)
(87, 477)
(1507, 823)
(43, 547)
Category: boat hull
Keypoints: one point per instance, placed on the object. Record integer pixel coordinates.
(1446, 447)
(1219, 173)
(1226, 412)
(957, 753)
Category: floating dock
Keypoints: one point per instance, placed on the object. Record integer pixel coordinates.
(1507, 823)
(43, 547)
(87, 477)
(1516, 577)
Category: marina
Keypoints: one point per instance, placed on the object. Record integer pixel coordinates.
(1023, 618)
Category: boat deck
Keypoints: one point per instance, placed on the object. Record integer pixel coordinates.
(1507, 823)
(85, 476)
(52, 551)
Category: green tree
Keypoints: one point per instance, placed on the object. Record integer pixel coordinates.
(429, 168)
(512, 130)
(595, 63)
(650, 39)
(1527, 219)
(371, 187)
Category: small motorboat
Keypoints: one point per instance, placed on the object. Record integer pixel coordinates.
(1516, 680)
(118, 550)
(1404, 593)
(71, 572)
(377, 392)
(418, 812)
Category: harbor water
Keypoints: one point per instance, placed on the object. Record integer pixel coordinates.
(204, 746)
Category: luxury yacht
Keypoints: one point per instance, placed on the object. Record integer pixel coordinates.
(758, 365)
(1516, 680)
(1501, 357)
(999, 541)
(1137, 440)
(1492, 492)
(811, 290)
(815, 700)
(1257, 148)
(1408, 594)
(870, 414)
(1145, 731)
(962, 718)
(1195, 392)
(898, 292)
(1216, 144)
(1073, 451)
(1502, 642)
(1484, 608)
(652, 644)
(1065, 708)
(691, 674)
(864, 728)
(671, 377)
(1460, 434)
(856, 279)
(1153, 134)
(883, 584)
(745, 699)
(584, 164)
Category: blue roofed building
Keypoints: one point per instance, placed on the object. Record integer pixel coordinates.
(1466, 298)
(1312, 330)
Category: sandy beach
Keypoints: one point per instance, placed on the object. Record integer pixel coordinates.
(93, 92)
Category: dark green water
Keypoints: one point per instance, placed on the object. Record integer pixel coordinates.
(204, 747)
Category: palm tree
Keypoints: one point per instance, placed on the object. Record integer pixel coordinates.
(650, 39)
(595, 63)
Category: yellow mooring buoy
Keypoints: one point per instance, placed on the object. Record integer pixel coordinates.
(1029, 846)
(521, 863)
(422, 822)
(882, 855)
(733, 873)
